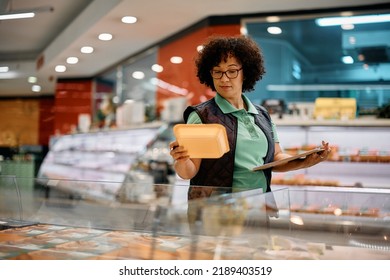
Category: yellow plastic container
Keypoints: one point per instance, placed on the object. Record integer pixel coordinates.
(335, 108)
(202, 140)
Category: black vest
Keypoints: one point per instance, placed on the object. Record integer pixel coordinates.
(219, 172)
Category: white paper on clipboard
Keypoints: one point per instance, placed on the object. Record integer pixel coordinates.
(284, 161)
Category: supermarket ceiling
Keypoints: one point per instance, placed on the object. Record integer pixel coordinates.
(34, 46)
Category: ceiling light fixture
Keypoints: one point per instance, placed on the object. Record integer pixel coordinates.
(105, 36)
(157, 68)
(86, 49)
(272, 19)
(60, 68)
(32, 79)
(347, 26)
(332, 21)
(22, 14)
(36, 88)
(72, 60)
(176, 59)
(346, 14)
(274, 30)
(4, 69)
(139, 75)
(129, 19)
(17, 16)
(347, 59)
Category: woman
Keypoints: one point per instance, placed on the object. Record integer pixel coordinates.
(231, 66)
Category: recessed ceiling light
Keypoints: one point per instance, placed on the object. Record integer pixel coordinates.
(347, 26)
(139, 75)
(105, 36)
(272, 19)
(346, 14)
(86, 49)
(157, 68)
(60, 68)
(176, 59)
(347, 59)
(4, 69)
(36, 88)
(129, 19)
(72, 60)
(274, 30)
(32, 80)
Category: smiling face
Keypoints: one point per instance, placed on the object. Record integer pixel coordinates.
(228, 88)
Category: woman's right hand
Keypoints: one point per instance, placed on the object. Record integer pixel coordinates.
(184, 166)
(177, 152)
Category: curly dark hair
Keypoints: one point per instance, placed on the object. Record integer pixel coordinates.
(219, 48)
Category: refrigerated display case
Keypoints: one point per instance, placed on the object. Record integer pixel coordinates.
(360, 156)
(157, 222)
(144, 213)
(104, 160)
(360, 152)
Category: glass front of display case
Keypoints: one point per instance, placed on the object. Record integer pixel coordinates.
(343, 217)
(156, 221)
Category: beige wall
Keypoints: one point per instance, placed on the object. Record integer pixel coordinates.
(19, 122)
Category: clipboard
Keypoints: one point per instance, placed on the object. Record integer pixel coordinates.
(283, 161)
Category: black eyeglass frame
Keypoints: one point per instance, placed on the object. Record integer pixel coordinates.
(226, 73)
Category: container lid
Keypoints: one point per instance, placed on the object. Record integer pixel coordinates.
(202, 140)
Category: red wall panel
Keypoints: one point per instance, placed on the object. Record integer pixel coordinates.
(46, 120)
(72, 97)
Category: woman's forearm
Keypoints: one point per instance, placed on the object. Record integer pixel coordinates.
(186, 169)
(300, 163)
(290, 166)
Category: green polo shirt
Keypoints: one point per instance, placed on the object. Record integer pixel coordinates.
(251, 145)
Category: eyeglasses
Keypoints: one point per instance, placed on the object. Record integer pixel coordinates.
(231, 74)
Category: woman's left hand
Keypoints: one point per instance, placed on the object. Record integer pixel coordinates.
(320, 156)
(306, 162)
(324, 155)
